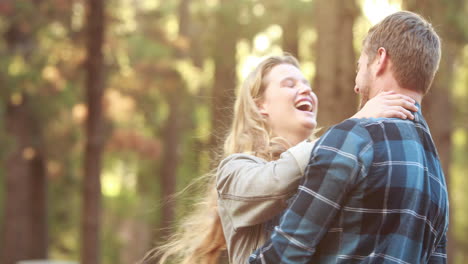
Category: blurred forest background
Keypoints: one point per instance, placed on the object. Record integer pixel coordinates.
(107, 108)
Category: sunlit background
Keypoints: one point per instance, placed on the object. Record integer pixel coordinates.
(161, 73)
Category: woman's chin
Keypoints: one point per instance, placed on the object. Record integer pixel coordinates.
(309, 123)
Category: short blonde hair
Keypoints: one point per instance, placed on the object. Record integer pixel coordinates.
(412, 45)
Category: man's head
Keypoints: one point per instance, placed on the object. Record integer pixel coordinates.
(403, 47)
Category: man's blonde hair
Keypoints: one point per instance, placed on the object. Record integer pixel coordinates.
(200, 237)
(412, 45)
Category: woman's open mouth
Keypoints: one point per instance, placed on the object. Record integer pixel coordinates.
(304, 105)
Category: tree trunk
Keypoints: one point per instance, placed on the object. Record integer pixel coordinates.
(171, 156)
(290, 40)
(172, 134)
(437, 105)
(25, 225)
(38, 202)
(335, 62)
(91, 214)
(17, 229)
(184, 25)
(224, 55)
(25, 217)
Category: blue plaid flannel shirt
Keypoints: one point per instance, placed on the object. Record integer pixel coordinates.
(373, 192)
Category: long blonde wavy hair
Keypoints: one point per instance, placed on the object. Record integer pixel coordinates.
(200, 238)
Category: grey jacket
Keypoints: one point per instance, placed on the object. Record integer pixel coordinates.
(251, 191)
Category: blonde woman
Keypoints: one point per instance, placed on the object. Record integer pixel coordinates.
(265, 153)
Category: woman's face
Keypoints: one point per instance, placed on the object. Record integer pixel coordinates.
(289, 105)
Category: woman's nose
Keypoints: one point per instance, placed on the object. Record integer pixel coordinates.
(305, 89)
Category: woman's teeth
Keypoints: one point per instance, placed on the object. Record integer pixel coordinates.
(304, 106)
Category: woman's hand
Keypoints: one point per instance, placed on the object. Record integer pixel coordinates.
(388, 104)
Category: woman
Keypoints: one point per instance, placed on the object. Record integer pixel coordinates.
(265, 156)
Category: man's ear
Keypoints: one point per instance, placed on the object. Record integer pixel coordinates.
(382, 61)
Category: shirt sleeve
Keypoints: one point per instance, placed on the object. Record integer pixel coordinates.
(341, 157)
(252, 190)
(439, 256)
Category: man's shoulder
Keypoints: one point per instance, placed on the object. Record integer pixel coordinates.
(352, 125)
(372, 120)
(349, 132)
(368, 123)
(356, 130)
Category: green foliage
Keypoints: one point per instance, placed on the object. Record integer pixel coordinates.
(64, 201)
(143, 48)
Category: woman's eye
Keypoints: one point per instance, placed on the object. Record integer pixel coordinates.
(290, 84)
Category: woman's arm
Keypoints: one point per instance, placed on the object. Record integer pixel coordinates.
(253, 190)
(388, 104)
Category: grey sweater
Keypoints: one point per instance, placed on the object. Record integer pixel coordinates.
(251, 191)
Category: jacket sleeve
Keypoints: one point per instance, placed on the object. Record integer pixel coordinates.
(252, 190)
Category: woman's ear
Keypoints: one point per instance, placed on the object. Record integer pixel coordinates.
(261, 105)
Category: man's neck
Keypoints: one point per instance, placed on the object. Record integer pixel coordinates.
(389, 83)
(417, 96)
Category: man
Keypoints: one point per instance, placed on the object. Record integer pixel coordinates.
(374, 190)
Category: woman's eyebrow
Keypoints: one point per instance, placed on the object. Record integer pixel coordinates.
(294, 80)
(305, 81)
(284, 80)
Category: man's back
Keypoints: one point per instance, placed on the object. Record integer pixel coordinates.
(398, 209)
(374, 192)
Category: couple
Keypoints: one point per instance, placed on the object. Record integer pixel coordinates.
(370, 190)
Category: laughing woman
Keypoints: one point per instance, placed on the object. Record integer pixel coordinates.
(265, 154)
